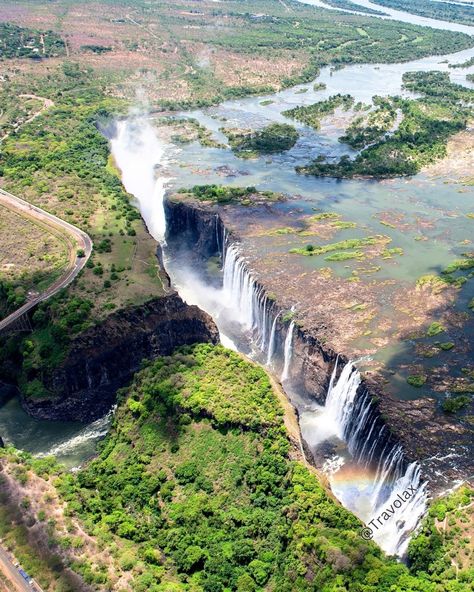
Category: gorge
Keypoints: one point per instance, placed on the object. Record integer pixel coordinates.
(234, 263)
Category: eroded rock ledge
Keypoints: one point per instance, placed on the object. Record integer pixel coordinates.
(426, 434)
(104, 358)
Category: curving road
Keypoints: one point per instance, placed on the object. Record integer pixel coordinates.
(11, 572)
(76, 239)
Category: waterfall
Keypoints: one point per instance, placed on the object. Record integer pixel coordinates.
(355, 419)
(245, 298)
(288, 351)
(340, 398)
(138, 153)
(271, 343)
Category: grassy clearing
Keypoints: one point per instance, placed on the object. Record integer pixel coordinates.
(353, 243)
(32, 257)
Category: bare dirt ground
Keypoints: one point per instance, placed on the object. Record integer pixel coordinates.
(28, 249)
(458, 166)
(51, 530)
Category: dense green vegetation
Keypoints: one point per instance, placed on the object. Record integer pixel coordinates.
(467, 64)
(372, 127)
(447, 11)
(441, 549)
(11, 297)
(60, 161)
(20, 42)
(196, 489)
(222, 194)
(421, 137)
(312, 114)
(328, 36)
(276, 137)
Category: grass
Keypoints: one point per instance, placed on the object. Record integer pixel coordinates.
(33, 256)
(344, 255)
(446, 345)
(435, 329)
(354, 243)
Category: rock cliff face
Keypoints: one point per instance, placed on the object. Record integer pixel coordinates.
(198, 229)
(104, 358)
(193, 225)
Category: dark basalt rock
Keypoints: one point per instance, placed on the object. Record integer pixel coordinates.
(193, 224)
(427, 435)
(104, 358)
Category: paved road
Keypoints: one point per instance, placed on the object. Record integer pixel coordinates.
(13, 575)
(76, 238)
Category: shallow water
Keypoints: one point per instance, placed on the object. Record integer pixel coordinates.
(71, 442)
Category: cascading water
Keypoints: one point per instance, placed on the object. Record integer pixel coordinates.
(271, 344)
(138, 154)
(288, 352)
(245, 300)
(348, 414)
(353, 416)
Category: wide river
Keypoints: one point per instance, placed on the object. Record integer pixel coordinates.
(442, 204)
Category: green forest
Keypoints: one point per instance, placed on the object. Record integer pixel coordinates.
(276, 137)
(197, 489)
(20, 42)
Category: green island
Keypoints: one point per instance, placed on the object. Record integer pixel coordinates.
(371, 127)
(197, 488)
(348, 5)
(220, 194)
(276, 137)
(312, 114)
(449, 11)
(466, 64)
(420, 138)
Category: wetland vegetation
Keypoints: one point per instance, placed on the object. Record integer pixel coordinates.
(420, 139)
(276, 137)
(312, 114)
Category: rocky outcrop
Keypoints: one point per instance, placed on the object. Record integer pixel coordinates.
(104, 358)
(198, 229)
(193, 224)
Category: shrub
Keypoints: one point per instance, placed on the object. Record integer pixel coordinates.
(416, 380)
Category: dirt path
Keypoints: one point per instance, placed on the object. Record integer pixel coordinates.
(47, 103)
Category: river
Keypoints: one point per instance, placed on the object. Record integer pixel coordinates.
(139, 153)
